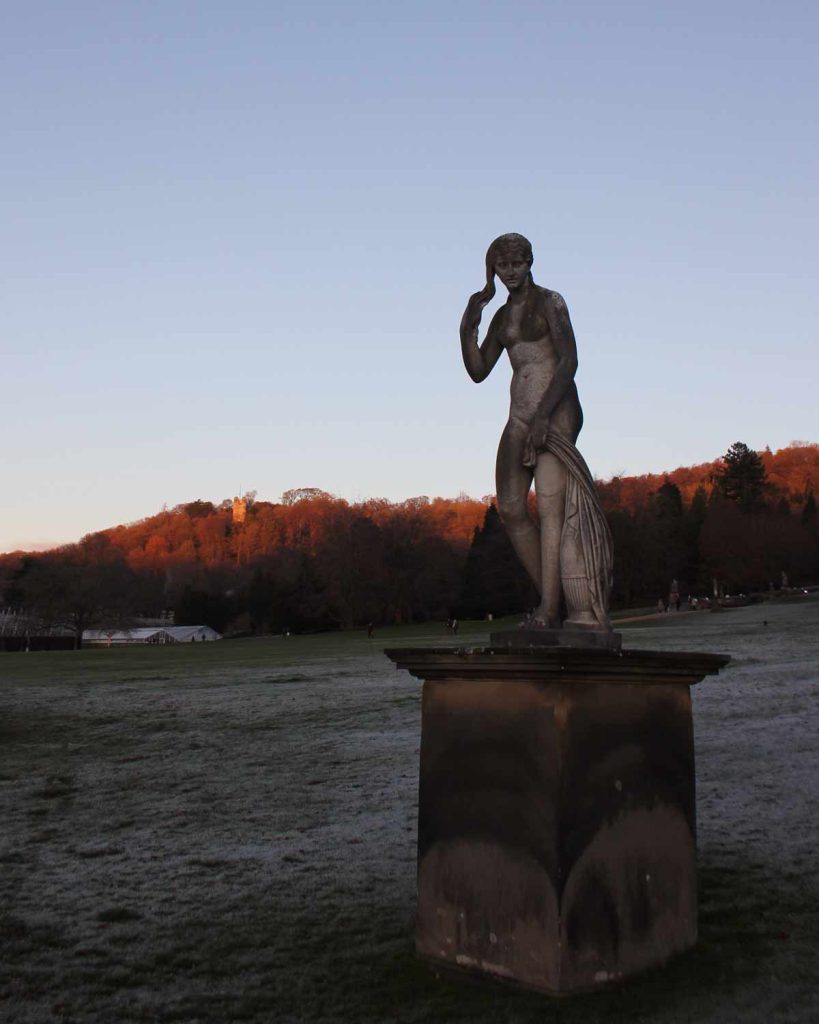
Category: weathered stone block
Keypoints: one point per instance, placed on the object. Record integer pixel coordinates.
(556, 830)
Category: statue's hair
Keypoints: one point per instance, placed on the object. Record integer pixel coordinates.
(511, 243)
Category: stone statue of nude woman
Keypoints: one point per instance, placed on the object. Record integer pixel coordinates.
(569, 550)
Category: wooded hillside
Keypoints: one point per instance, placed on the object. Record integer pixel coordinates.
(314, 561)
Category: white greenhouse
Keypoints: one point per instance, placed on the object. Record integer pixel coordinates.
(148, 635)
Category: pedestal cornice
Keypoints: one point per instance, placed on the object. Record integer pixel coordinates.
(553, 664)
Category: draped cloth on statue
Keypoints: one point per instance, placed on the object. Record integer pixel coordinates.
(585, 520)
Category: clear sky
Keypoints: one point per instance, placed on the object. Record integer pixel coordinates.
(238, 239)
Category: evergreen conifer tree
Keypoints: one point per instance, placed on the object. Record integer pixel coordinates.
(742, 477)
(493, 578)
(809, 512)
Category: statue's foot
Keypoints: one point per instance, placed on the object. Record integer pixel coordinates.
(541, 619)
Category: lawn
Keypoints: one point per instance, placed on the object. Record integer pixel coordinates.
(225, 832)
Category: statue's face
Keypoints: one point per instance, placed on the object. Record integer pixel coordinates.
(512, 269)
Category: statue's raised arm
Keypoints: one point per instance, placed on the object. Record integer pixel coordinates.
(479, 359)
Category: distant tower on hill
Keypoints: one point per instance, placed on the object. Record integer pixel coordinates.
(239, 510)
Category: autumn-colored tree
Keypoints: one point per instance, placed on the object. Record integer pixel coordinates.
(79, 587)
(423, 569)
(350, 568)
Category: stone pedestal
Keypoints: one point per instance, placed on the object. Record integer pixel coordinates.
(556, 826)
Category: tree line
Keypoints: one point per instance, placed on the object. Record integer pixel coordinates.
(316, 562)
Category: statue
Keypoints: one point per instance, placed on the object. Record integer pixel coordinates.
(570, 554)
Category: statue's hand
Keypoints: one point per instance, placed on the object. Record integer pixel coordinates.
(475, 308)
(535, 442)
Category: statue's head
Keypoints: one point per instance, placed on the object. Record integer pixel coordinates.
(511, 245)
(507, 250)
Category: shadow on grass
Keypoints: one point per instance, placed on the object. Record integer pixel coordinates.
(326, 955)
(743, 907)
(742, 940)
(326, 960)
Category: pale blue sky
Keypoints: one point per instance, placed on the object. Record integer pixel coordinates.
(238, 239)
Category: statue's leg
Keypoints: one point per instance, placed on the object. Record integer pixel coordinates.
(513, 481)
(550, 485)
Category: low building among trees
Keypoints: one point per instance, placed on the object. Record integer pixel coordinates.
(148, 635)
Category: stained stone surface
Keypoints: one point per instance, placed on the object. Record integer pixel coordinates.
(556, 831)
